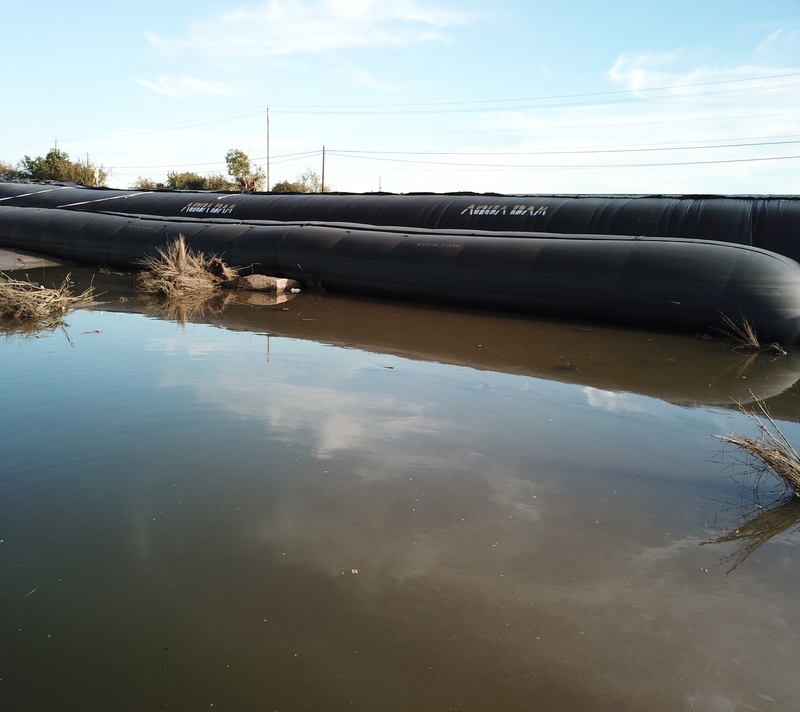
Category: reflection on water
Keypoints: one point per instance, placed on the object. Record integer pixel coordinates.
(205, 306)
(377, 509)
(671, 367)
(754, 524)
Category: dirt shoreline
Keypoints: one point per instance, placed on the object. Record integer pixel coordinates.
(12, 260)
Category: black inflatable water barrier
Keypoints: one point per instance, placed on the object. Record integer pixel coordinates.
(769, 222)
(662, 283)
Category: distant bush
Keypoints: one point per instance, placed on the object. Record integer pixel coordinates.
(245, 177)
(7, 170)
(185, 181)
(147, 184)
(286, 187)
(56, 165)
(219, 182)
(306, 182)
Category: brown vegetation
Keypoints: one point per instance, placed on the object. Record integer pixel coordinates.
(27, 307)
(743, 333)
(770, 453)
(764, 511)
(179, 272)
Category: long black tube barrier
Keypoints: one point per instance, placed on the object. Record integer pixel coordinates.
(657, 282)
(769, 222)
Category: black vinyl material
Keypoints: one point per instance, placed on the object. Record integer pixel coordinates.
(768, 222)
(657, 282)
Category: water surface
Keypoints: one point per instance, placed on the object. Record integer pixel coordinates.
(335, 504)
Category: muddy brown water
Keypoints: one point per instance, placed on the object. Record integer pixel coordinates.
(331, 503)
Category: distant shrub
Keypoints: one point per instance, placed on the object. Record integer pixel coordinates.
(185, 181)
(147, 184)
(308, 181)
(56, 165)
(286, 187)
(7, 170)
(219, 182)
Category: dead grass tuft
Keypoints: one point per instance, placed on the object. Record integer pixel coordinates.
(770, 453)
(744, 334)
(28, 308)
(179, 272)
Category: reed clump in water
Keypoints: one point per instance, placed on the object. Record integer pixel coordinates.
(179, 272)
(27, 307)
(770, 453)
(743, 333)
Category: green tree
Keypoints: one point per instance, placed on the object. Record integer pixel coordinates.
(56, 165)
(285, 186)
(247, 177)
(217, 181)
(185, 181)
(147, 184)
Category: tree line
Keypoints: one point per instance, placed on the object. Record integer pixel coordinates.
(57, 165)
(242, 175)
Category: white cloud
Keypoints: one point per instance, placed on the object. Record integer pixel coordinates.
(611, 401)
(186, 87)
(288, 27)
(673, 140)
(638, 71)
(335, 420)
(778, 41)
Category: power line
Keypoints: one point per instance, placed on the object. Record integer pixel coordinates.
(528, 167)
(639, 149)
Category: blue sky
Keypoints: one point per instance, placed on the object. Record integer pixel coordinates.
(514, 97)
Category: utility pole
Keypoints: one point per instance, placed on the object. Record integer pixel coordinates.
(322, 187)
(268, 183)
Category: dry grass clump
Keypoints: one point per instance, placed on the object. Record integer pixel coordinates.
(27, 307)
(770, 453)
(179, 272)
(744, 334)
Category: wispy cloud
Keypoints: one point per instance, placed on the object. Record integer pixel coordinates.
(642, 71)
(720, 125)
(186, 87)
(290, 27)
